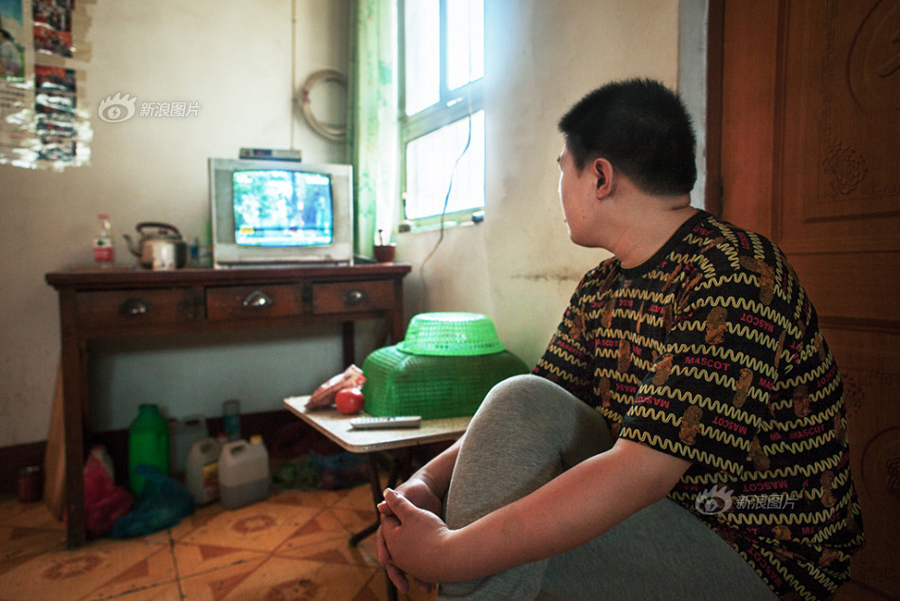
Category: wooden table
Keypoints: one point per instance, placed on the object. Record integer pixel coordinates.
(100, 304)
(336, 427)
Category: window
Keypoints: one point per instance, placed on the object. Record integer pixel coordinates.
(442, 116)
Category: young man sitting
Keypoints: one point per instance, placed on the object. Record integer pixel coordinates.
(683, 435)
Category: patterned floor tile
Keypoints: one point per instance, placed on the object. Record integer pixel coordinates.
(259, 527)
(354, 520)
(324, 527)
(294, 545)
(18, 545)
(163, 592)
(333, 551)
(218, 584)
(359, 498)
(201, 517)
(330, 497)
(27, 515)
(304, 498)
(144, 575)
(280, 578)
(116, 566)
(193, 559)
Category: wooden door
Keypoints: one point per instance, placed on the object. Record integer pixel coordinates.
(810, 156)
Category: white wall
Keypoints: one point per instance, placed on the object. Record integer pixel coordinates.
(234, 58)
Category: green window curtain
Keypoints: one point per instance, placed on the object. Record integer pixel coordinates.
(374, 101)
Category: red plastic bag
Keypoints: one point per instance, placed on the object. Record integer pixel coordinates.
(324, 395)
(104, 502)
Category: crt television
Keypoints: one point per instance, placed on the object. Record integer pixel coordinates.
(280, 213)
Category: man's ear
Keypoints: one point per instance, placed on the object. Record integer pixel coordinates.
(602, 171)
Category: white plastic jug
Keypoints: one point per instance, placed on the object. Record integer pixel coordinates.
(201, 476)
(243, 473)
(183, 433)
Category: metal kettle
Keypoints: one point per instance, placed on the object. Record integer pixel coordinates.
(160, 246)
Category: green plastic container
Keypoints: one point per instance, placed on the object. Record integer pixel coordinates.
(148, 444)
(451, 334)
(443, 368)
(400, 383)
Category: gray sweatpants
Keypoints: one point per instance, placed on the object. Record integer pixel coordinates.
(527, 431)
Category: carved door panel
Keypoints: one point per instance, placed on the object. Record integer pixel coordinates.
(810, 153)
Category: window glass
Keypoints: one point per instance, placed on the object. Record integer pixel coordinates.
(452, 153)
(465, 42)
(422, 54)
(442, 126)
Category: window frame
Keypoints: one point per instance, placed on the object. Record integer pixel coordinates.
(452, 106)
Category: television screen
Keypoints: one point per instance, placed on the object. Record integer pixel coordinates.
(280, 213)
(282, 208)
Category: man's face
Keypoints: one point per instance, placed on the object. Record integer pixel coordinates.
(576, 194)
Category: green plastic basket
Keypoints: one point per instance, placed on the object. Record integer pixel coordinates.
(450, 334)
(401, 383)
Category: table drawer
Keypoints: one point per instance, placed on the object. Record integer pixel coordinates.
(352, 297)
(127, 308)
(252, 302)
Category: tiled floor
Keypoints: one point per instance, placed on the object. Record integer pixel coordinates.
(292, 546)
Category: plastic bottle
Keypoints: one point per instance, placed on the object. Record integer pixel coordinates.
(148, 444)
(231, 419)
(194, 252)
(243, 473)
(183, 433)
(104, 249)
(201, 476)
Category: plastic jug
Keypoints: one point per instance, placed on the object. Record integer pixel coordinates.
(243, 473)
(183, 433)
(201, 474)
(99, 451)
(148, 444)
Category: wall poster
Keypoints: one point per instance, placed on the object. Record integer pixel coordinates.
(44, 123)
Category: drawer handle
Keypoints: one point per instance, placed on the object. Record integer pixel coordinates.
(134, 307)
(354, 297)
(258, 299)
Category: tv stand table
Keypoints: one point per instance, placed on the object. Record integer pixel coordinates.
(110, 303)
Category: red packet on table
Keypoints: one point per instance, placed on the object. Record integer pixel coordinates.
(324, 395)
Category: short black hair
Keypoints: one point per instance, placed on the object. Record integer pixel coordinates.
(642, 128)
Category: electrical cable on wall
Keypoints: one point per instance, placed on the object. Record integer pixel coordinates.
(337, 133)
(447, 197)
(444, 212)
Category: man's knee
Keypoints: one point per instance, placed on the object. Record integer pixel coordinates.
(535, 398)
(522, 395)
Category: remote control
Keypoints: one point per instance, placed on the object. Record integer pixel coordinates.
(393, 421)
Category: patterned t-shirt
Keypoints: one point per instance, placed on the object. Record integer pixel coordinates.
(711, 351)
